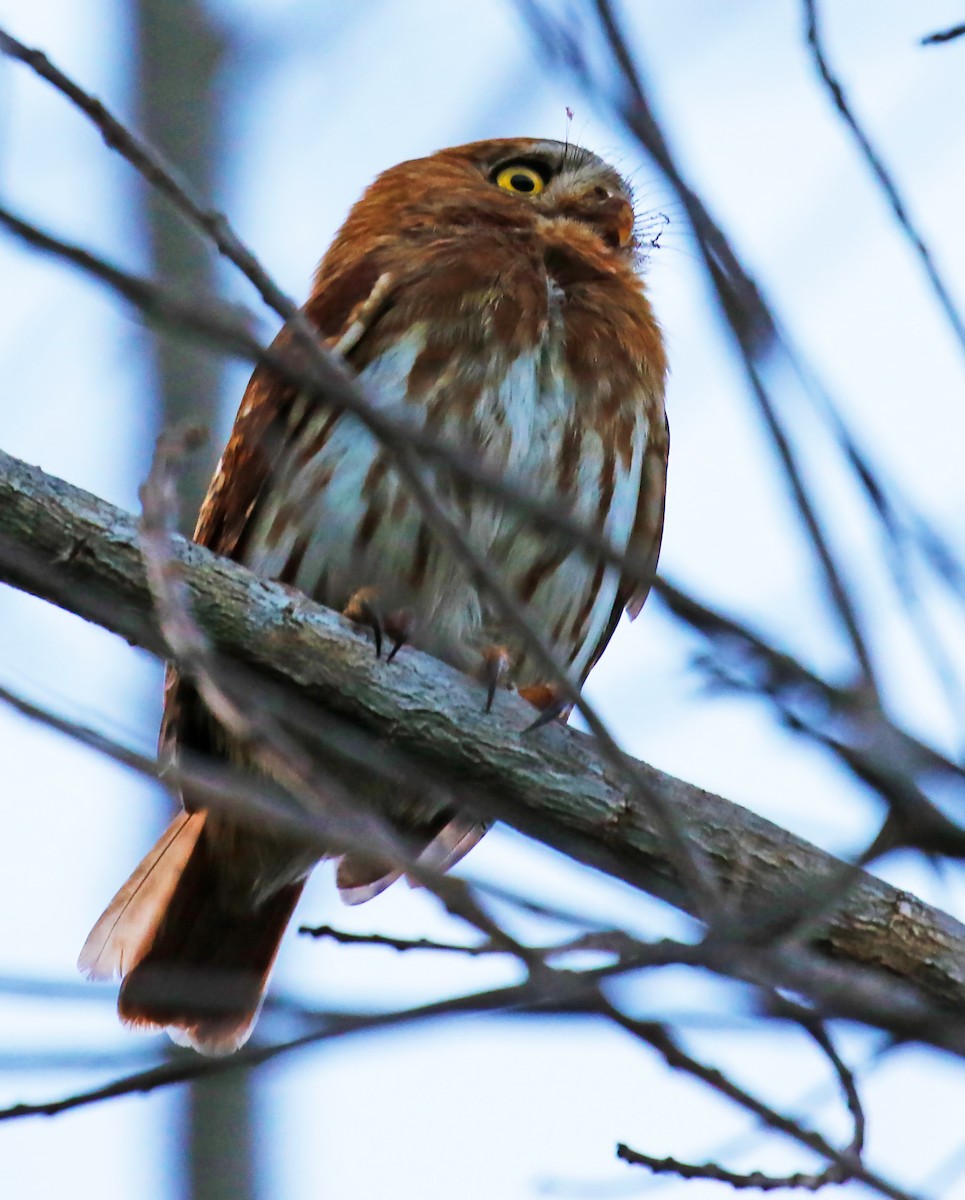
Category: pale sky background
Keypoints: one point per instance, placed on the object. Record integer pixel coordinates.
(323, 95)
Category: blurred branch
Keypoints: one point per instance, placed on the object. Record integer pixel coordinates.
(775, 673)
(943, 35)
(738, 294)
(187, 1067)
(558, 993)
(881, 173)
(81, 553)
(159, 173)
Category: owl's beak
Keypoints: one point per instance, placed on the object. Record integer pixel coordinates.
(611, 216)
(617, 221)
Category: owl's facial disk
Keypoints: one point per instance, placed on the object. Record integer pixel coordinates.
(558, 180)
(509, 183)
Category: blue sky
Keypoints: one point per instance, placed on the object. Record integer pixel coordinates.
(319, 102)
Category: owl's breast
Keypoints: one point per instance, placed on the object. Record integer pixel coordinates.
(495, 361)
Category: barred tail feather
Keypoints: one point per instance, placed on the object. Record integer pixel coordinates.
(191, 964)
(125, 931)
(451, 844)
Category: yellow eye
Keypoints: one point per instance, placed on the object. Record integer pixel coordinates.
(517, 177)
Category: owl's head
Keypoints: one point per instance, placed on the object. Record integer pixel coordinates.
(509, 183)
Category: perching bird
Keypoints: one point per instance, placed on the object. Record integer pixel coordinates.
(491, 293)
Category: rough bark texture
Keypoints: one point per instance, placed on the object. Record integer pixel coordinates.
(81, 553)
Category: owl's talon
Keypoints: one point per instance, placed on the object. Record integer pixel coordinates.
(495, 665)
(399, 626)
(548, 699)
(362, 608)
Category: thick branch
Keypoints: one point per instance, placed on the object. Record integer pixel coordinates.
(81, 553)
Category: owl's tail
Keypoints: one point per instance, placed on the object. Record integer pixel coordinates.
(190, 963)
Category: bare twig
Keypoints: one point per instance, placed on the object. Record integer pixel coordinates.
(739, 296)
(656, 1036)
(885, 180)
(848, 1086)
(756, 1180)
(943, 35)
(155, 170)
(613, 941)
(190, 1067)
(343, 937)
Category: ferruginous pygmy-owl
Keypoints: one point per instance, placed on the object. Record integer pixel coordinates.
(491, 292)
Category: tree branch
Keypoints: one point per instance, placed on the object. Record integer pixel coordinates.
(79, 552)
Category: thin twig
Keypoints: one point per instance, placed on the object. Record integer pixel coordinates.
(155, 170)
(551, 994)
(757, 1180)
(345, 938)
(739, 296)
(881, 173)
(658, 1037)
(189, 1067)
(846, 1078)
(943, 35)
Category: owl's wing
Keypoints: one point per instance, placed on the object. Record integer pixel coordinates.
(647, 531)
(271, 420)
(264, 429)
(343, 310)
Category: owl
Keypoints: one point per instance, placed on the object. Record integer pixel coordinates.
(489, 294)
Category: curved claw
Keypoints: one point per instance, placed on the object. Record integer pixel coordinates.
(549, 701)
(495, 665)
(399, 626)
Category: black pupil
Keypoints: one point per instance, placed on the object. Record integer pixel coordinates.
(521, 183)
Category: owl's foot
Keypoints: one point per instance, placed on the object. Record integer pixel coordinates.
(399, 627)
(495, 667)
(549, 700)
(364, 609)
